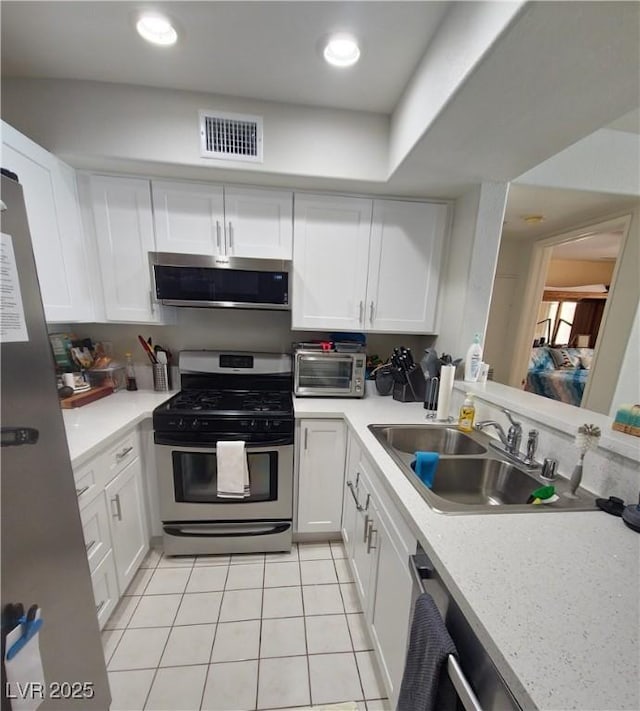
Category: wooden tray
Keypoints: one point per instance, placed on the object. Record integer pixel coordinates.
(86, 397)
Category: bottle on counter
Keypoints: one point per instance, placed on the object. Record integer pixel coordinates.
(130, 372)
(467, 414)
(473, 360)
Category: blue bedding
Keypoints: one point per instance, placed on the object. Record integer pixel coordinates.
(566, 385)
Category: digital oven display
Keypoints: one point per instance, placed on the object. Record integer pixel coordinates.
(236, 361)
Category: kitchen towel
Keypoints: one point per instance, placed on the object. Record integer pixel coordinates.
(425, 683)
(233, 470)
(447, 374)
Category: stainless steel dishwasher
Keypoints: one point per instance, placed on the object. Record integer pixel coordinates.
(477, 682)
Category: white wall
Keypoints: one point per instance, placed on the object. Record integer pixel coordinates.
(468, 275)
(628, 388)
(102, 124)
(463, 38)
(606, 161)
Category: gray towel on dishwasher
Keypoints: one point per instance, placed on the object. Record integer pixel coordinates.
(425, 683)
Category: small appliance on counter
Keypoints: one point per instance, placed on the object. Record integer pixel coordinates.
(409, 383)
(329, 369)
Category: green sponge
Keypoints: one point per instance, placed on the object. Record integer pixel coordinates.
(544, 492)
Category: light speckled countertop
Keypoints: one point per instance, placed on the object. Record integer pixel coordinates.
(554, 597)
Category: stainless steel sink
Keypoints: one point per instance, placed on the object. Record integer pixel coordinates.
(468, 478)
(445, 440)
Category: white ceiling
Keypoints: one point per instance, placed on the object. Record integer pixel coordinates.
(258, 50)
(600, 246)
(562, 209)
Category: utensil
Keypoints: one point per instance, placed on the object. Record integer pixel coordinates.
(147, 349)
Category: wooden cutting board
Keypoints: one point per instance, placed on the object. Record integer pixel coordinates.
(86, 397)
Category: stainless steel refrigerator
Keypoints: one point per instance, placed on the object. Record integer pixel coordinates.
(43, 559)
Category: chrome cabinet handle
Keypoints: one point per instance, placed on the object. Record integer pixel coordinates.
(230, 235)
(361, 312)
(152, 303)
(99, 607)
(89, 546)
(352, 489)
(84, 489)
(371, 312)
(306, 437)
(372, 530)
(218, 242)
(118, 512)
(367, 520)
(123, 453)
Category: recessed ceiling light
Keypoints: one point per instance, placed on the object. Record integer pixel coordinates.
(341, 50)
(156, 29)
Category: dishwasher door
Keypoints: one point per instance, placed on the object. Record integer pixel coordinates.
(477, 682)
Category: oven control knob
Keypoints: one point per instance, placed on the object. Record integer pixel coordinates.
(253, 425)
(195, 424)
(267, 425)
(181, 424)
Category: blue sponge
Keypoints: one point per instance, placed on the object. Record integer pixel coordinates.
(425, 466)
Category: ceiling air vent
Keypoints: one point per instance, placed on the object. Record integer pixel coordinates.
(230, 136)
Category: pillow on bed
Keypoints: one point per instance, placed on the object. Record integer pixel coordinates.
(563, 359)
(585, 361)
(540, 359)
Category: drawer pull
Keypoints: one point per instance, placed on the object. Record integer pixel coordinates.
(122, 454)
(100, 606)
(89, 546)
(118, 512)
(84, 489)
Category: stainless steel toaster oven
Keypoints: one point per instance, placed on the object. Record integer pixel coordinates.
(328, 373)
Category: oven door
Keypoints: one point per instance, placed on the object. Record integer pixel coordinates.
(324, 375)
(187, 482)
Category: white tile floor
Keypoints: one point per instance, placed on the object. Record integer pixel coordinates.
(242, 632)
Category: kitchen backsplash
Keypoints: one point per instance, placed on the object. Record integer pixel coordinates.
(225, 329)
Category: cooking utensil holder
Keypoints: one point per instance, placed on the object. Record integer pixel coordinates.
(161, 377)
(413, 389)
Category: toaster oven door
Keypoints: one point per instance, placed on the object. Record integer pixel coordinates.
(325, 375)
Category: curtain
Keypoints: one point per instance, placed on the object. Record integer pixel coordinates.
(586, 320)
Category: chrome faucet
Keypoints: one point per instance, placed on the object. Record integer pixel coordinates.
(511, 441)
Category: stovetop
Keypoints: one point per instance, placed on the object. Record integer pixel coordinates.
(243, 403)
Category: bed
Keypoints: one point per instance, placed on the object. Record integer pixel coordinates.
(559, 373)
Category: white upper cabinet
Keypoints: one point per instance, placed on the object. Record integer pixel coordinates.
(196, 218)
(366, 265)
(330, 257)
(188, 217)
(124, 237)
(53, 213)
(259, 223)
(404, 266)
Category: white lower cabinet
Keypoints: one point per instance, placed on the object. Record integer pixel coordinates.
(128, 522)
(114, 522)
(321, 455)
(105, 588)
(379, 559)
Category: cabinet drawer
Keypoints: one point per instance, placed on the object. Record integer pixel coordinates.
(95, 528)
(120, 455)
(105, 588)
(89, 482)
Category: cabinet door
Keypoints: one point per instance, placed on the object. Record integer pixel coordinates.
(392, 603)
(321, 475)
(351, 496)
(188, 217)
(127, 520)
(51, 201)
(330, 257)
(363, 560)
(404, 266)
(259, 223)
(124, 235)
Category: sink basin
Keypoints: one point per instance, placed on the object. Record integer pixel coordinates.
(470, 479)
(428, 438)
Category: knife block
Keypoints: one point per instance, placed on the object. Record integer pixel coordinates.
(413, 390)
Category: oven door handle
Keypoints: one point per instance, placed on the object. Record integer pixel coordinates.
(197, 532)
(210, 446)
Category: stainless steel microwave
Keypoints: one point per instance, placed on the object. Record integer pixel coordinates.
(328, 374)
(220, 282)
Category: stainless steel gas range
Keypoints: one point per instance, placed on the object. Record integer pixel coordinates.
(226, 397)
